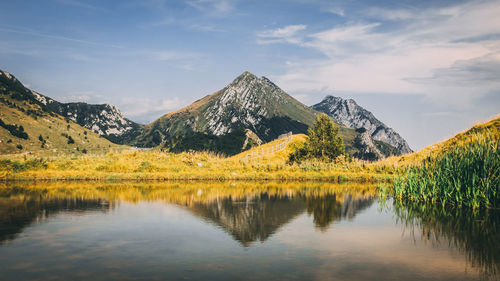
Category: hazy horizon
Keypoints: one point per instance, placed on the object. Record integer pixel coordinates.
(428, 69)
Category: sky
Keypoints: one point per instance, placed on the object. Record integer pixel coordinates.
(428, 69)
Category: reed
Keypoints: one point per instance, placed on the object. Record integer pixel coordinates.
(465, 174)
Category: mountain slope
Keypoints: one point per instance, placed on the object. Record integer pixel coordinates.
(248, 102)
(103, 119)
(486, 130)
(28, 125)
(349, 113)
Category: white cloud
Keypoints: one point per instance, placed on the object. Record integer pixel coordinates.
(215, 8)
(83, 96)
(138, 109)
(288, 34)
(336, 11)
(146, 109)
(429, 54)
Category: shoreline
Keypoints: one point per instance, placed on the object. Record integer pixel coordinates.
(130, 178)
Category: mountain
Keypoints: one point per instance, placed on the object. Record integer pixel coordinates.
(28, 124)
(349, 113)
(103, 119)
(249, 102)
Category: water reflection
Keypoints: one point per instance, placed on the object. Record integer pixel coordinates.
(329, 208)
(475, 233)
(17, 214)
(248, 213)
(250, 219)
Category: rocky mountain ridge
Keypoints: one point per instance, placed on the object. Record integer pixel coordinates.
(103, 119)
(249, 102)
(28, 125)
(349, 113)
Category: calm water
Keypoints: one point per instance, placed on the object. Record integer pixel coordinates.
(237, 231)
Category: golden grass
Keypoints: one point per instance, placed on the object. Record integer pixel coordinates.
(132, 164)
(51, 129)
(155, 165)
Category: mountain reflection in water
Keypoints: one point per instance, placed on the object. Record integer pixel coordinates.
(255, 212)
(245, 211)
(17, 214)
(256, 218)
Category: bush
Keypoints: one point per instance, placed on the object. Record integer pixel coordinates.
(19, 146)
(16, 131)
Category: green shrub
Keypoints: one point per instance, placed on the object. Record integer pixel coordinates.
(16, 131)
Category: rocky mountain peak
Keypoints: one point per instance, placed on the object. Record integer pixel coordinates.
(349, 113)
(7, 75)
(248, 102)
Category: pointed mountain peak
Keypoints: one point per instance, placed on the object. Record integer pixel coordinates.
(247, 79)
(8, 75)
(246, 75)
(333, 99)
(330, 98)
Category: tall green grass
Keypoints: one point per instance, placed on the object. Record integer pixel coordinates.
(464, 175)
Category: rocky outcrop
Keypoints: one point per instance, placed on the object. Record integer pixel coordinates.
(349, 113)
(103, 119)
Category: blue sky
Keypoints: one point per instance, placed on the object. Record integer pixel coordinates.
(429, 69)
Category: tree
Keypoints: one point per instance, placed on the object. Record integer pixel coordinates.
(323, 143)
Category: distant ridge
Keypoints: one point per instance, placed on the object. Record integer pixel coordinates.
(349, 113)
(103, 119)
(29, 123)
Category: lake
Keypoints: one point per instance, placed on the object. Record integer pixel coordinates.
(237, 231)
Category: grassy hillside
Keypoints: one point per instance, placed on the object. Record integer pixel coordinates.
(463, 170)
(490, 128)
(27, 126)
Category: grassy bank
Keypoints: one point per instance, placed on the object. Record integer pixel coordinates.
(462, 171)
(152, 165)
(464, 176)
(156, 165)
